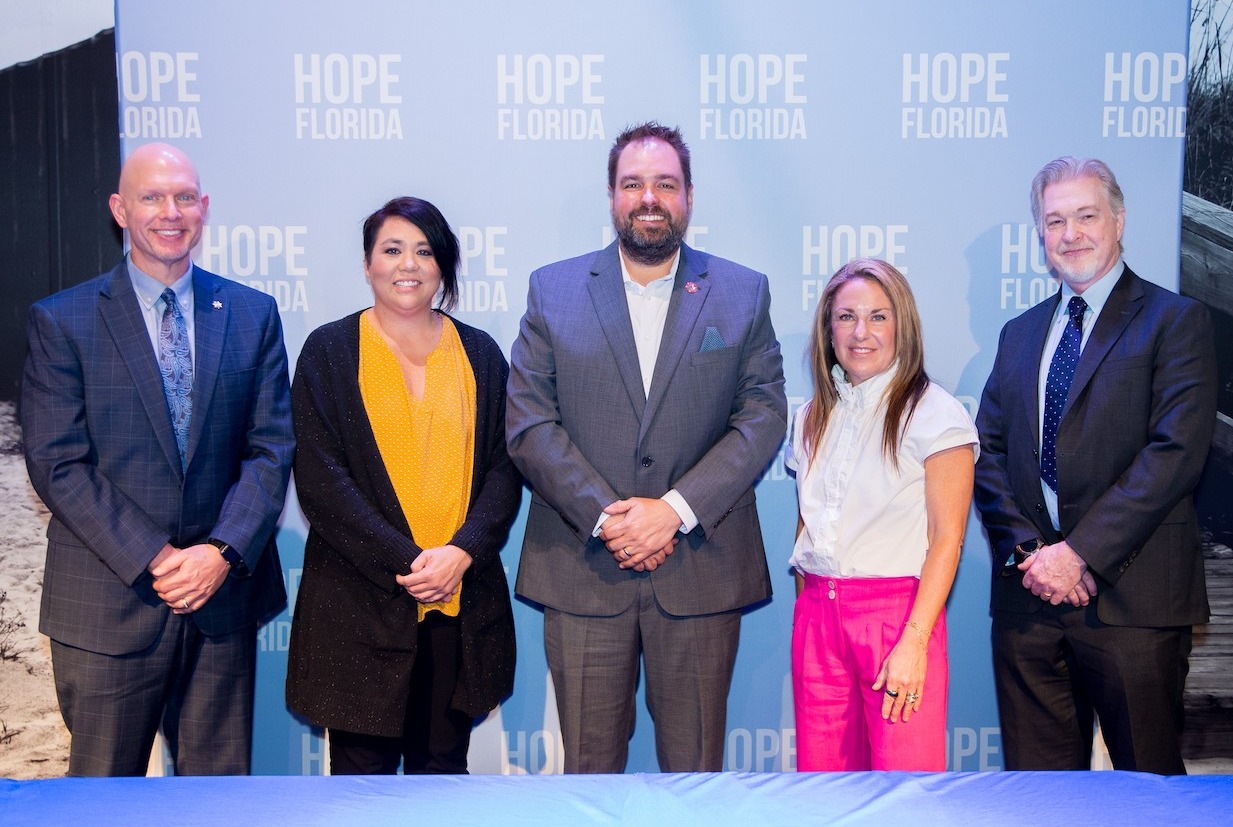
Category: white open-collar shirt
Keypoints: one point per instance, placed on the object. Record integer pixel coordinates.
(648, 313)
(863, 517)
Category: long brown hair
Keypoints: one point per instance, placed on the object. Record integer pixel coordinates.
(910, 380)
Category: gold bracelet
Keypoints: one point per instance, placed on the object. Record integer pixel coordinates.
(924, 636)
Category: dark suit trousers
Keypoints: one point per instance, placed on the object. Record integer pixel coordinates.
(200, 690)
(1056, 668)
(594, 666)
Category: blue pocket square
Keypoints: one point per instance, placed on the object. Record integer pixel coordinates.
(711, 340)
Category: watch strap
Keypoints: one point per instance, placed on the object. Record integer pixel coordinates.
(234, 559)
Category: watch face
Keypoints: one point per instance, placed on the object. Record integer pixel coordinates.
(1025, 550)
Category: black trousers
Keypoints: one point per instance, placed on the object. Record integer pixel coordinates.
(435, 737)
(1057, 668)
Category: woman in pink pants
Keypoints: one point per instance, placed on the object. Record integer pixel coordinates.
(884, 463)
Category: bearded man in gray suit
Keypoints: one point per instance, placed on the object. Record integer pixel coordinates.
(645, 398)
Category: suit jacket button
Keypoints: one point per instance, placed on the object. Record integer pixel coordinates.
(647, 462)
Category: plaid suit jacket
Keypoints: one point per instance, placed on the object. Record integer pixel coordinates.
(101, 453)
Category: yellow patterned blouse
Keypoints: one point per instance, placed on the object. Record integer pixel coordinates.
(427, 445)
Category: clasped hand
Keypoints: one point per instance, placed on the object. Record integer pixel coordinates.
(1056, 573)
(435, 574)
(640, 532)
(186, 578)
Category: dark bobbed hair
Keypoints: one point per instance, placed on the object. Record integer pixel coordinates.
(910, 381)
(651, 130)
(435, 228)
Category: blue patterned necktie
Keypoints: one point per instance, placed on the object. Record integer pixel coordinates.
(176, 364)
(1057, 386)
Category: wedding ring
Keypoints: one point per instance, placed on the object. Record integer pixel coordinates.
(1046, 595)
(913, 697)
(185, 602)
(625, 552)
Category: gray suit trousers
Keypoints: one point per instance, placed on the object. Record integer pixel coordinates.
(688, 661)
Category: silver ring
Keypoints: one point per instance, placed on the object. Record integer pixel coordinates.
(1046, 595)
(185, 602)
(625, 552)
(892, 693)
(913, 697)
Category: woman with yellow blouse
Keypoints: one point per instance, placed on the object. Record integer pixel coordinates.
(403, 632)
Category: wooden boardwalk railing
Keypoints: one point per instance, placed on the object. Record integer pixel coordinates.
(1207, 275)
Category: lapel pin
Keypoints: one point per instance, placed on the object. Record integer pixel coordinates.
(691, 287)
(218, 305)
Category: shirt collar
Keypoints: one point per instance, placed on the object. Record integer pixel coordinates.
(1097, 293)
(871, 390)
(657, 284)
(149, 289)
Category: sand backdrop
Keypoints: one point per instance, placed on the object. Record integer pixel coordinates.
(33, 740)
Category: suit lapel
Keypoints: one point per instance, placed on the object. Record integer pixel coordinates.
(1033, 355)
(209, 323)
(121, 313)
(1124, 303)
(684, 308)
(608, 295)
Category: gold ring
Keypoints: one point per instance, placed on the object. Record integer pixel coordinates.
(185, 602)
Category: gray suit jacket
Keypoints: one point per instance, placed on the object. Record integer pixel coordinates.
(1131, 445)
(102, 454)
(584, 434)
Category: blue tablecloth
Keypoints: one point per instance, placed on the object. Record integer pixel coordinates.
(680, 800)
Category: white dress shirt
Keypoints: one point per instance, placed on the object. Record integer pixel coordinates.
(1096, 295)
(648, 312)
(862, 516)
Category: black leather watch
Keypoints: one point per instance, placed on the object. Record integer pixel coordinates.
(238, 567)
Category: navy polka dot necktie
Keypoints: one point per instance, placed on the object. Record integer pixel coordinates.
(1057, 385)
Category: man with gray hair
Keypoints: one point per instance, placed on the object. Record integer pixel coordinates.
(1094, 428)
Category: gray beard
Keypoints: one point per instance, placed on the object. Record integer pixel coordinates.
(1081, 277)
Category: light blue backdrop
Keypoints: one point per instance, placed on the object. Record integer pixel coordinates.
(819, 132)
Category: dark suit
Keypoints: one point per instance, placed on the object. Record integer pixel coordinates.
(1131, 444)
(585, 434)
(101, 452)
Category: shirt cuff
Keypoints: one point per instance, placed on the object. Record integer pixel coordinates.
(599, 524)
(689, 520)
